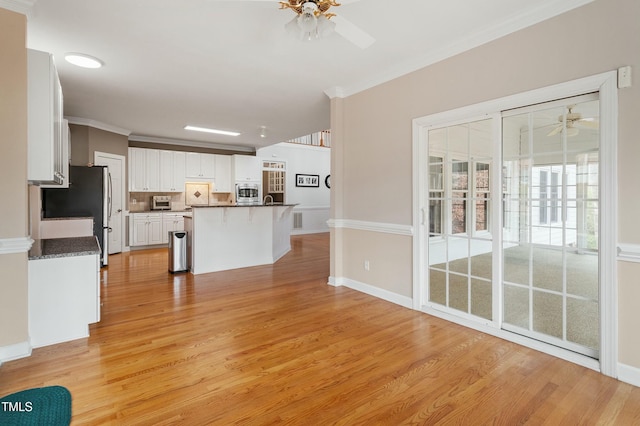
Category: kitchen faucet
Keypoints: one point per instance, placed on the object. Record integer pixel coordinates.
(265, 200)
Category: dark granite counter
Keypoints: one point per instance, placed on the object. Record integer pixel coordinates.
(248, 205)
(64, 247)
(44, 219)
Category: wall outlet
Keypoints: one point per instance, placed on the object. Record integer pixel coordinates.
(366, 265)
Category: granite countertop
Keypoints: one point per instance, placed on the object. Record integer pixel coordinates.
(247, 205)
(64, 247)
(159, 211)
(66, 218)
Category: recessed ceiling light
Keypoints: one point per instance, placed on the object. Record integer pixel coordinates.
(82, 60)
(206, 130)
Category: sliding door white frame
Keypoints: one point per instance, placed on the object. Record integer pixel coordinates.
(606, 85)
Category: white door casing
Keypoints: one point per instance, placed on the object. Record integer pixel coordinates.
(115, 163)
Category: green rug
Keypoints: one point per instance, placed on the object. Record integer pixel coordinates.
(50, 406)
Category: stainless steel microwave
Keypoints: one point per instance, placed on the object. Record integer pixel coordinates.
(247, 194)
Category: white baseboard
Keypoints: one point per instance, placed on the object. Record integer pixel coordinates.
(15, 351)
(629, 374)
(378, 292)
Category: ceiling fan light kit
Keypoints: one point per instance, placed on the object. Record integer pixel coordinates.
(313, 21)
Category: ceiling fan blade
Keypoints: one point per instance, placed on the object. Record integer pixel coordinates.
(588, 123)
(555, 131)
(352, 33)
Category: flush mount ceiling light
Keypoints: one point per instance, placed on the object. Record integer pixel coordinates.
(207, 130)
(82, 60)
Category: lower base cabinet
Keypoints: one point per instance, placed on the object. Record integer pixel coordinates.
(64, 298)
(171, 222)
(148, 229)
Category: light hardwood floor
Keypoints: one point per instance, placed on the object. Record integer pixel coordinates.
(276, 344)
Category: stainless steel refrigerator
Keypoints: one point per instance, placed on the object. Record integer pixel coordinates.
(88, 195)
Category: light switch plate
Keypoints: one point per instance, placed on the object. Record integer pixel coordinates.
(624, 77)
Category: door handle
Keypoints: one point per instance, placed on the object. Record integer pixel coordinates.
(119, 211)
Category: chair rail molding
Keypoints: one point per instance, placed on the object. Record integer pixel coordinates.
(15, 245)
(629, 252)
(386, 228)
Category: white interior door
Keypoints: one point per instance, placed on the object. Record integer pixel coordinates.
(115, 164)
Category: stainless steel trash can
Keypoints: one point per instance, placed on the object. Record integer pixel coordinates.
(178, 251)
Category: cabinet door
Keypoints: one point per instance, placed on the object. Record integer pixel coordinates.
(192, 164)
(208, 166)
(166, 170)
(152, 159)
(247, 168)
(138, 231)
(155, 231)
(179, 174)
(44, 111)
(223, 173)
(137, 171)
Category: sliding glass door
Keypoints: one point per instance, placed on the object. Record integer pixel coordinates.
(460, 206)
(513, 233)
(550, 223)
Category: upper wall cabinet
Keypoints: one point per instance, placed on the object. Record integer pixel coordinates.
(172, 171)
(200, 166)
(144, 170)
(223, 173)
(246, 168)
(46, 144)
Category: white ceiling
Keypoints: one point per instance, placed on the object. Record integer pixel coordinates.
(230, 65)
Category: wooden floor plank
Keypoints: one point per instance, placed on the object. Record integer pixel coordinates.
(276, 344)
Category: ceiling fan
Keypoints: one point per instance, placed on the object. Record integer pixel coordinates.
(574, 122)
(315, 19)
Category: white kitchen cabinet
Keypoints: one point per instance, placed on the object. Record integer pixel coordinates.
(171, 222)
(246, 168)
(200, 166)
(144, 170)
(222, 173)
(172, 171)
(66, 151)
(46, 144)
(64, 298)
(145, 229)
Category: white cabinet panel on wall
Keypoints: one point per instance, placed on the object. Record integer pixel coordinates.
(200, 166)
(144, 170)
(45, 125)
(172, 171)
(222, 173)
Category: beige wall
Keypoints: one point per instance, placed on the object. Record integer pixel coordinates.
(375, 154)
(13, 176)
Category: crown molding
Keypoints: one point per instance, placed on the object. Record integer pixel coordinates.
(24, 7)
(335, 92)
(198, 144)
(98, 125)
(511, 25)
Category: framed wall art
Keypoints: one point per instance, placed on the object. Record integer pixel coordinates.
(312, 181)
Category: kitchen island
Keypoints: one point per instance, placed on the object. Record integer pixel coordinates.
(230, 237)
